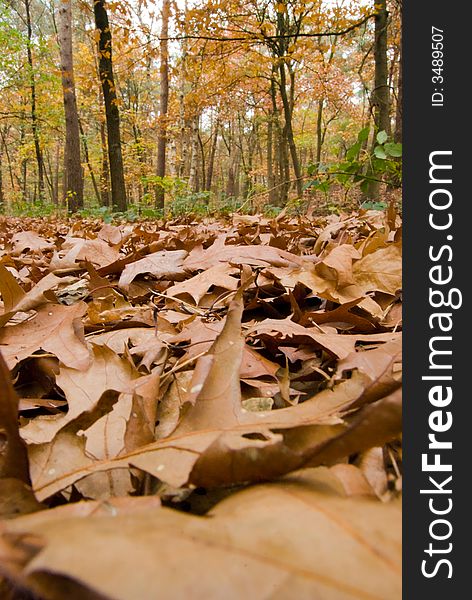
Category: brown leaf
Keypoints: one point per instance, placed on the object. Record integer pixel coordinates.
(247, 255)
(337, 265)
(381, 365)
(12, 292)
(165, 264)
(292, 539)
(327, 288)
(372, 464)
(374, 425)
(339, 345)
(13, 456)
(198, 286)
(56, 329)
(75, 250)
(16, 300)
(353, 480)
(380, 271)
(29, 240)
(220, 393)
(83, 390)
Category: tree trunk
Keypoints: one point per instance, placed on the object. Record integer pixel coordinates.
(34, 116)
(88, 163)
(398, 133)
(55, 182)
(283, 180)
(73, 173)
(288, 130)
(105, 65)
(211, 160)
(380, 99)
(105, 171)
(231, 185)
(193, 175)
(163, 102)
(182, 151)
(270, 161)
(319, 132)
(381, 96)
(3, 134)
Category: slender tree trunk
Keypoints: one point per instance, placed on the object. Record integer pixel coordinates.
(319, 131)
(193, 175)
(4, 134)
(202, 163)
(380, 99)
(182, 150)
(288, 130)
(34, 116)
(24, 166)
(88, 163)
(105, 171)
(270, 161)
(283, 179)
(211, 160)
(118, 189)
(398, 133)
(163, 102)
(73, 172)
(55, 183)
(49, 176)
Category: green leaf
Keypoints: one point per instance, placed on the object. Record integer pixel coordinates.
(324, 186)
(372, 205)
(393, 149)
(363, 134)
(343, 178)
(382, 137)
(380, 152)
(353, 151)
(311, 169)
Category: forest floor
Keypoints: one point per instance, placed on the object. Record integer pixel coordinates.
(207, 408)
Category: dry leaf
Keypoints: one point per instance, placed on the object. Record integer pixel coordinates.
(281, 540)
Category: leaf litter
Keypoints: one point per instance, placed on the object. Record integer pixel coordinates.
(246, 372)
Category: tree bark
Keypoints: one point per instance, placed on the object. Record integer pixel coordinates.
(282, 183)
(288, 130)
(88, 163)
(163, 102)
(105, 171)
(105, 65)
(319, 132)
(73, 173)
(380, 95)
(34, 116)
(193, 175)
(380, 99)
(398, 133)
(270, 161)
(211, 160)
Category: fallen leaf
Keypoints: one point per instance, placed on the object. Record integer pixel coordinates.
(290, 539)
(83, 390)
(198, 286)
(56, 329)
(168, 264)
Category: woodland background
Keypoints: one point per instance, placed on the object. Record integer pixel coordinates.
(202, 106)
